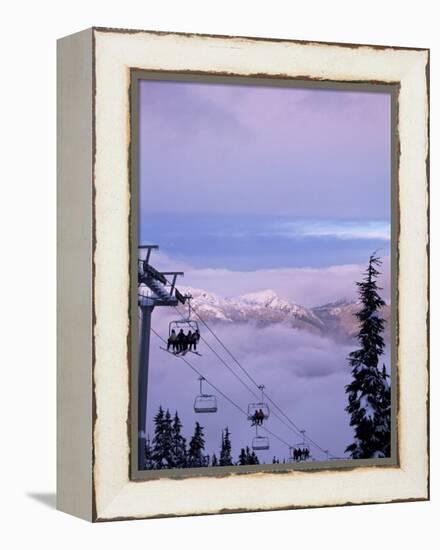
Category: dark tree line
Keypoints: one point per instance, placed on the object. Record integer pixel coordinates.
(247, 457)
(169, 448)
(369, 392)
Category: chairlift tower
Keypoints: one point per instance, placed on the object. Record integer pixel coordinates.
(154, 290)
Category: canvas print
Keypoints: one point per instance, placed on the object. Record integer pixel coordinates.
(265, 267)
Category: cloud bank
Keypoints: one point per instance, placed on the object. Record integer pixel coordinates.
(304, 373)
(369, 230)
(309, 287)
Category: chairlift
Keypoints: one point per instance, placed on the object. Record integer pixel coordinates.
(297, 448)
(178, 324)
(260, 442)
(205, 403)
(179, 296)
(256, 407)
(181, 324)
(177, 327)
(150, 272)
(302, 446)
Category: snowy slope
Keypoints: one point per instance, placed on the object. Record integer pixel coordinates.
(266, 307)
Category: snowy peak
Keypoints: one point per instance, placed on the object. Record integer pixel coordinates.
(203, 296)
(268, 303)
(264, 298)
(266, 307)
(208, 304)
(263, 308)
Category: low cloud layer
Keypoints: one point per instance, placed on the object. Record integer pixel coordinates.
(340, 229)
(304, 374)
(306, 286)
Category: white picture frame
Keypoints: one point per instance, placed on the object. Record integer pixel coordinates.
(94, 216)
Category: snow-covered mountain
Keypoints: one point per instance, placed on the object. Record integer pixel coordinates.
(336, 319)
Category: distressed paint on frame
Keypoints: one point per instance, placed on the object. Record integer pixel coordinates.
(96, 479)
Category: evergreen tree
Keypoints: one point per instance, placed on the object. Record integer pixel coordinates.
(369, 393)
(156, 453)
(242, 458)
(149, 463)
(214, 460)
(162, 441)
(247, 457)
(253, 458)
(225, 452)
(178, 451)
(383, 419)
(196, 446)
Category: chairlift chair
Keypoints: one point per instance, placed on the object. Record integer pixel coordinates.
(301, 445)
(181, 324)
(178, 324)
(297, 447)
(260, 442)
(254, 407)
(205, 403)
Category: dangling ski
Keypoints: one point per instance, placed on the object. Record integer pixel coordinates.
(175, 353)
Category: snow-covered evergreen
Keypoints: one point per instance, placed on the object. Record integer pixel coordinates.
(196, 459)
(253, 458)
(179, 453)
(247, 457)
(149, 462)
(242, 457)
(162, 441)
(369, 392)
(226, 449)
(169, 448)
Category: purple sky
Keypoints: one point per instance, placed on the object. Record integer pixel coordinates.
(257, 150)
(249, 188)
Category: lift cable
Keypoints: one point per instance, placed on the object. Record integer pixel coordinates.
(226, 349)
(256, 384)
(296, 430)
(222, 393)
(222, 360)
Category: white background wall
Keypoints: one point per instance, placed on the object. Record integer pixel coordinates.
(27, 286)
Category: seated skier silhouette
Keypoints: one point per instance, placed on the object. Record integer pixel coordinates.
(172, 341)
(188, 340)
(194, 340)
(255, 418)
(180, 341)
(258, 418)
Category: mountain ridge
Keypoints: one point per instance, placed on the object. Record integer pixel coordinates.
(335, 319)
